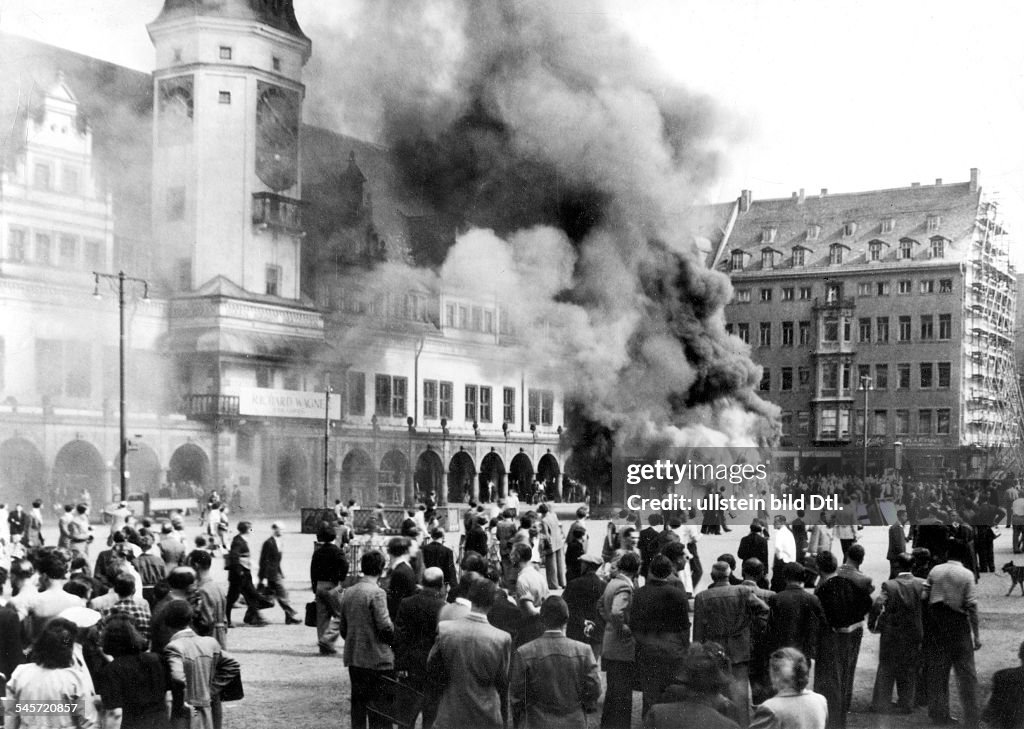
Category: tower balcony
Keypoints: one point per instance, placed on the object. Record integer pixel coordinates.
(208, 406)
(277, 212)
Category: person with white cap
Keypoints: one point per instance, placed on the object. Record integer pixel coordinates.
(270, 572)
(118, 519)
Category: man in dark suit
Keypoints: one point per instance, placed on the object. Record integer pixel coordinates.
(239, 564)
(476, 536)
(796, 617)
(648, 543)
(436, 554)
(845, 595)
(1005, 708)
(415, 632)
(401, 576)
(754, 544)
(270, 573)
(897, 541)
(897, 614)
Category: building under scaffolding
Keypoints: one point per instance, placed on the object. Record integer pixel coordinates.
(884, 321)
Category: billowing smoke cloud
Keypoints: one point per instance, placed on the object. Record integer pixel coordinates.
(575, 165)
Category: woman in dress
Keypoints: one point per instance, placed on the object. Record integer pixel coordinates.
(51, 678)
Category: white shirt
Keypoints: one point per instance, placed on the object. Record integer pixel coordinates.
(785, 544)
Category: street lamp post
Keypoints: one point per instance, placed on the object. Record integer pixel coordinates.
(121, 279)
(327, 437)
(865, 385)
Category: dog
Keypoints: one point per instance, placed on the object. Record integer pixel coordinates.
(1016, 573)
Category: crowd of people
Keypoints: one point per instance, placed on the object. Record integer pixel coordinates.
(521, 623)
(479, 632)
(134, 635)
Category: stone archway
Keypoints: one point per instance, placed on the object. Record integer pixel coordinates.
(461, 473)
(520, 476)
(189, 465)
(492, 474)
(357, 478)
(429, 474)
(548, 476)
(143, 471)
(292, 474)
(22, 472)
(394, 467)
(79, 468)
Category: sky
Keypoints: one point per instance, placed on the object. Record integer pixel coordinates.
(841, 95)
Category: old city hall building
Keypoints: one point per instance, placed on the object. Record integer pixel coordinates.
(246, 236)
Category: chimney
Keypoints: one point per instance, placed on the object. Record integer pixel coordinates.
(745, 198)
(974, 179)
(938, 180)
(794, 197)
(915, 184)
(824, 192)
(802, 197)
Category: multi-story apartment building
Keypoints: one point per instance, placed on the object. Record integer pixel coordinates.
(882, 318)
(260, 298)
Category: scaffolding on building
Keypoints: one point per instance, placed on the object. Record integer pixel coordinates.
(993, 409)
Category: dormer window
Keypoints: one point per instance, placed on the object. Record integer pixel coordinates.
(768, 258)
(813, 232)
(799, 256)
(736, 261)
(907, 248)
(888, 224)
(934, 221)
(938, 249)
(849, 229)
(768, 234)
(876, 250)
(835, 253)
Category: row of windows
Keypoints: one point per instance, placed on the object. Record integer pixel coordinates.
(390, 400)
(849, 229)
(834, 422)
(474, 318)
(931, 328)
(834, 292)
(838, 253)
(43, 177)
(226, 53)
(47, 249)
(836, 377)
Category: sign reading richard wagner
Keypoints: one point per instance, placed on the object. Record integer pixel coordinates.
(285, 403)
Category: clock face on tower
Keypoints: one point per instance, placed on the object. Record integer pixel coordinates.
(277, 136)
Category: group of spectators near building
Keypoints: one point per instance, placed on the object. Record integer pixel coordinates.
(136, 634)
(478, 632)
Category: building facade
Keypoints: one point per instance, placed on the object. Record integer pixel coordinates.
(265, 357)
(884, 323)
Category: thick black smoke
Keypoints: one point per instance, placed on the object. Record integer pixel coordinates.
(575, 166)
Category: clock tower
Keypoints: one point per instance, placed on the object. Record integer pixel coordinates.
(226, 137)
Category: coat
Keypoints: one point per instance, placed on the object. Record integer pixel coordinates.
(366, 626)
(436, 554)
(726, 614)
(792, 709)
(753, 545)
(554, 681)
(470, 662)
(270, 561)
(795, 621)
(618, 643)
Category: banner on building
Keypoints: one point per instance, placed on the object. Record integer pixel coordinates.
(268, 403)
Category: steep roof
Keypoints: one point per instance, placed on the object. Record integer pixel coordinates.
(855, 220)
(278, 14)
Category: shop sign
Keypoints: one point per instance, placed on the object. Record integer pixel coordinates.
(267, 403)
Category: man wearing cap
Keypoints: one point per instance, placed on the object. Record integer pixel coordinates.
(270, 572)
(554, 680)
(118, 518)
(582, 595)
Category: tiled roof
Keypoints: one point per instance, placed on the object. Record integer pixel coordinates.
(908, 208)
(279, 14)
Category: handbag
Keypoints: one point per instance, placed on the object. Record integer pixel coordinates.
(310, 619)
